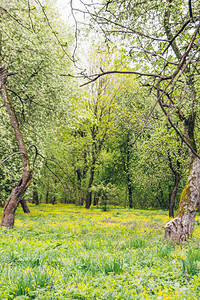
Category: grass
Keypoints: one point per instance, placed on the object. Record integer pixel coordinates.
(66, 252)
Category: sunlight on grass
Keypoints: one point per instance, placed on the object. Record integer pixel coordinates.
(66, 252)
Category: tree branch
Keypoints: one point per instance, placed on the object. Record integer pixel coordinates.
(170, 121)
(97, 76)
(7, 158)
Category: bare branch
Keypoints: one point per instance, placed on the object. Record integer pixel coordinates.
(176, 35)
(170, 121)
(190, 8)
(76, 30)
(18, 21)
(7, 158)
(154, 54)
(97, 76)
(36, 153)
(29, 13)
(128, 29)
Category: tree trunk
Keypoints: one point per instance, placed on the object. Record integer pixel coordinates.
(54, 200)
(176, 172)
(14, 199)
(21, 186)
(1, 204)
(1, 198)
(47, 197)
(181, 228)
(88, 200)
(95, 200)
(127, 170)
(35, 194)
(189, 125)
(81, 201)
(173, 195)
(25, 206)
(130, 199)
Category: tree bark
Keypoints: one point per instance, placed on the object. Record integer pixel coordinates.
(21, 186)
(13, 200)
(129, 183)
(189, 125)
(24, 206)
(1, 204)
(54, 200)
(182, 226)
(130, 197)
(88, 200)
(47, 197)
(173, 195)
(95, 200)
(1, 198)
(35, 194)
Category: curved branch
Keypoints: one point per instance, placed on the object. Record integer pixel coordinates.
(18, 21)
(170, 121)
(176, 35)
(97, 76)
(130, 30)
(36, 153)
(7, 158)
(46, 165)
(190, 8)
(19, 152)
(20, 99)
(76, 30)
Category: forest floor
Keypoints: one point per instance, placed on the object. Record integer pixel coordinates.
(66, 252)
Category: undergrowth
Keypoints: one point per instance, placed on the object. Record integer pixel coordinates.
(66, 252)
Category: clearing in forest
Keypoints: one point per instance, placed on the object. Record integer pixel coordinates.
(66, 252)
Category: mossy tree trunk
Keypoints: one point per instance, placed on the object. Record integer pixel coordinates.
(182, 226)
(20, 188)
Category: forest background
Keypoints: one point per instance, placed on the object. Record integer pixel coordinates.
(106, 143)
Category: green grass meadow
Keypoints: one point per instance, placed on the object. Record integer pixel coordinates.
(66, 252)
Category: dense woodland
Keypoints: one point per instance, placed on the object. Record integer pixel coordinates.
(102, 112)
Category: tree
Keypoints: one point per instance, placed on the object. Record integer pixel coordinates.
(85, 140)
(35, 57)
(162, 40)
(129, 118)
(27, 173)
(106, 194)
